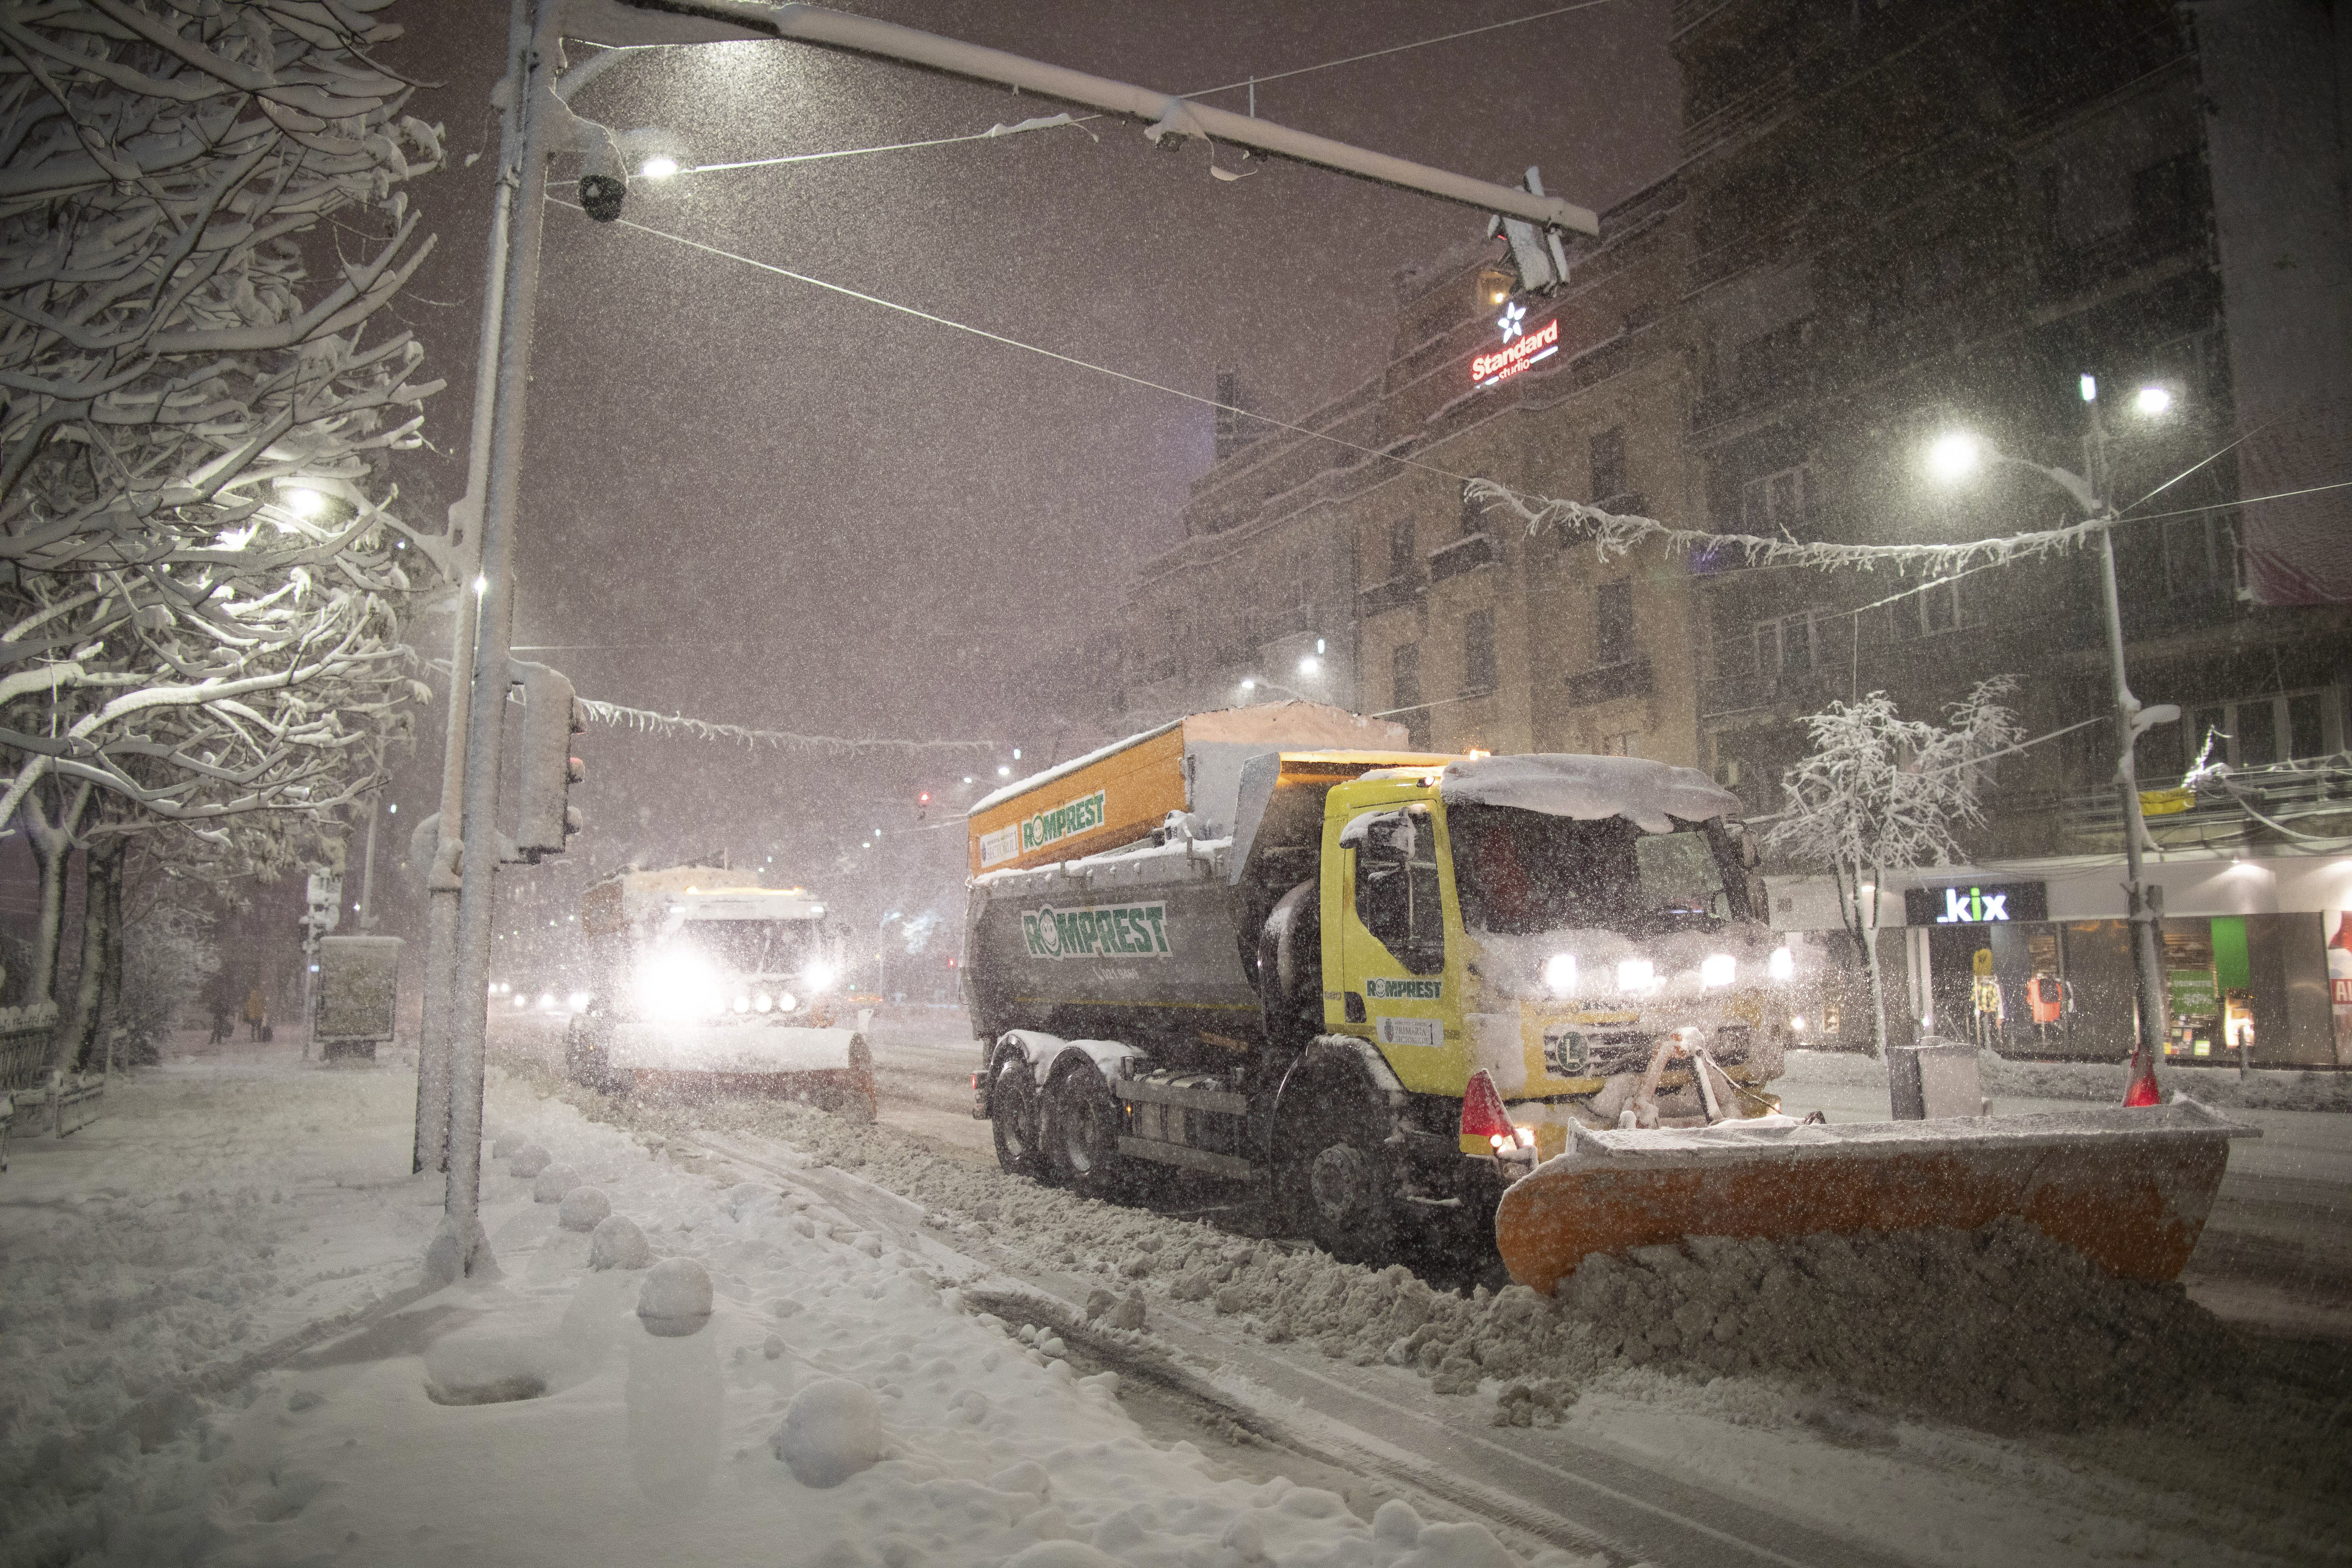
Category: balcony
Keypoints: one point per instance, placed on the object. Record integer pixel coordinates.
(1608, 683)
(1466, 554)
(1393, 594)
(2310, 798)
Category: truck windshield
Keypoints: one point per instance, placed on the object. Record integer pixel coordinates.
(750, 947)
(1521, 872)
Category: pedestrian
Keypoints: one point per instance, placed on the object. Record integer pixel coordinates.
(257, 1012)
(224, 1017)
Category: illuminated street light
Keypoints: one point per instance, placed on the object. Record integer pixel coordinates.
(1953, 456)
(1002, 772)
(1249, 683)
(2152, 401)
(1310, 665)
(305, 502)
(658, 168)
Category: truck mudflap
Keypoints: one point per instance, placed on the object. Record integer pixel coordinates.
(827, 1066)
(2129, 1188)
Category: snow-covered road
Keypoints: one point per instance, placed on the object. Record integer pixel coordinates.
(186, 1379)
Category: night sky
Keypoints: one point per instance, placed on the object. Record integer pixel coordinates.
(768, 504)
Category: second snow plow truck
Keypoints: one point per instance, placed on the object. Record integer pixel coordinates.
(707, 982)
(1537, 992)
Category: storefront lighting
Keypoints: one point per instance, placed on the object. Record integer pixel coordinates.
(1783, 964)
(1717, 970)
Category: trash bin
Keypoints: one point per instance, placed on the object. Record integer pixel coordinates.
(1934, 1079)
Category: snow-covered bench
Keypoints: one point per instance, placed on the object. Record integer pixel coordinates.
(28, 1084)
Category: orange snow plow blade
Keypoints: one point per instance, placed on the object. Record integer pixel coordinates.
(2130, 1189)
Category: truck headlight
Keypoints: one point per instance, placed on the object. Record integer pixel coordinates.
(1560, 973)
(763, 1002)
(1784, 964)
(742, 1002)
(817, 977)
(1717, 969)
(1636, 975)
(784, 1003)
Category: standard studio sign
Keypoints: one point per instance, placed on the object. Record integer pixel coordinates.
(1977, 904)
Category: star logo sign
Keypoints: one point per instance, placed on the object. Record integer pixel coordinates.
(1510, 320)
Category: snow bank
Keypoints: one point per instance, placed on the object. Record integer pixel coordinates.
(584, 1208)
(2263, 1088)
(675, 1297)
(831, 1430)
(618, 1243)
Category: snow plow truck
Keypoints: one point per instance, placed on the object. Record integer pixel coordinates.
(704, 982)
(1536, 994)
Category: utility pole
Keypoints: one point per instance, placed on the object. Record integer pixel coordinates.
(441, 881)
(2143, 905)
(460, 1246)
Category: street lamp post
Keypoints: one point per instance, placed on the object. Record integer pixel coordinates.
(1954, 455)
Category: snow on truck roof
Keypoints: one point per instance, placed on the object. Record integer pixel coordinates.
(1646, 793)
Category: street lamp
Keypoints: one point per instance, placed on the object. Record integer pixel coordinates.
(1953, 456)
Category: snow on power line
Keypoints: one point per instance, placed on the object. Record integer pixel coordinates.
(647, 722)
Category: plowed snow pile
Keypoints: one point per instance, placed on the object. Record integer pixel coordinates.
(2002, 1329)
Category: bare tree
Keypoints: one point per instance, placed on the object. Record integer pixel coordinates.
(1881, 792)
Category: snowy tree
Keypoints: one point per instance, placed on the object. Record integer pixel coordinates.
(203, 581)
(1881, 792)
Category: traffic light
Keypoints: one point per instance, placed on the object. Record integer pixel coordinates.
(922, 805)
(551, 717)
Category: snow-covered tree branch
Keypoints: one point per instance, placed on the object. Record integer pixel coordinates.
(1881, 792)
(203, 210)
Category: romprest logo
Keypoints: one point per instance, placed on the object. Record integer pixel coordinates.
(1064, 821)
(1118, 930)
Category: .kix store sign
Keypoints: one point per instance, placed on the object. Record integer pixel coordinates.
(1979, 903)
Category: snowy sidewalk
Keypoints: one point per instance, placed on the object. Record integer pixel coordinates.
(534, 1417)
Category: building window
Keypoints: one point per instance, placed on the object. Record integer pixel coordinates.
(1478, 653)
(1609, 464)
(1404, 676)
(1787, 642)
(1771, 502)
(1495, 285)
(1612, 623)
(1401, 549)
(1625, 744)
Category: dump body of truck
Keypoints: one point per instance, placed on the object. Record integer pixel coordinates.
(359, 991)
(1387, 987)
(706, 982)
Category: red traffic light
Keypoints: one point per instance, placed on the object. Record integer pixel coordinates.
(924, 798)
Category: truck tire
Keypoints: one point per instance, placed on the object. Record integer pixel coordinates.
(1012, 1115)
(1082, 1125)
(1339, 1184)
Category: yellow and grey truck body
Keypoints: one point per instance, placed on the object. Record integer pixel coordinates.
(1274, 945)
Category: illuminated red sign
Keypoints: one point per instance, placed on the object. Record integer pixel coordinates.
(1539, 344)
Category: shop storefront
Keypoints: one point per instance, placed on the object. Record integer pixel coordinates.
(2034, 959)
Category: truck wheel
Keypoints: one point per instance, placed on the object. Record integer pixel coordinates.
(1081, 1134)
(1342, 1190)
(1013, 1113)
